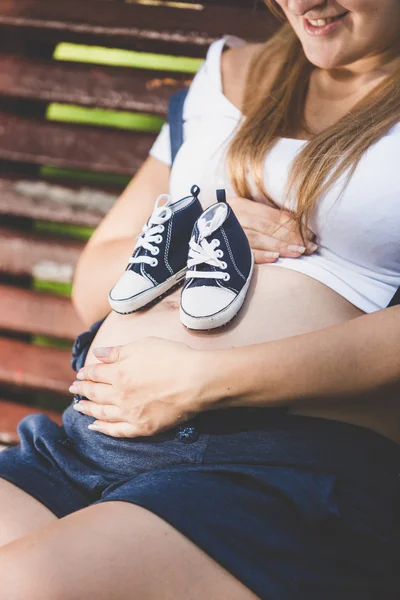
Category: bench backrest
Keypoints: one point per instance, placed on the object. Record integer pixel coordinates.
(72, 133)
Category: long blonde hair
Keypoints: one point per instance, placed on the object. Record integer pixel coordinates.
(277, 110)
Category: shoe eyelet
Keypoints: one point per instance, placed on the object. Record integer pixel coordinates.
(155, 251)
(159, 239)
(161, 228)
(154, 263)
(223, 265)
(227, 277)
(219, 253)
(216, 243)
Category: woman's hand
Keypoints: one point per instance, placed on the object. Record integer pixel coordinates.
(270, 231)
(143, 388)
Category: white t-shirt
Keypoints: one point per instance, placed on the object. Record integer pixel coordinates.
(357, 228)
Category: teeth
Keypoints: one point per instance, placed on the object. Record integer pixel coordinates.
(320, 22)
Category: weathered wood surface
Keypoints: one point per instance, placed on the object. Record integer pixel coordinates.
(51, 202)
(11, 414)
(72, 146)
(35, 367)
(137, 90)
(32, 255)
(27, 311)
(156, 28)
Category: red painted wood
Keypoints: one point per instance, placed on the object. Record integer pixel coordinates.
(155, 28)
(26, 311)
(11, 414)
(60, 203)
(137, 90)
(72, 146)
(28, 366)
(30, 254)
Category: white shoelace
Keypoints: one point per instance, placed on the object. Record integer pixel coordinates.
(205, 252)
(151, 231)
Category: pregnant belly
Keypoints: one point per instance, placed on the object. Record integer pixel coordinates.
(280, 303)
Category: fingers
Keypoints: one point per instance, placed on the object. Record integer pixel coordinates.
(258, 210)
(99, 373)
(110, 354)
(100, 393)
(106, 412)
(274, 222)
(117, 430)
(266, 243)
(261, 257)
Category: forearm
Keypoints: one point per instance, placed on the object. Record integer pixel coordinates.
(106, 255)
(98, 269)
(350, 359)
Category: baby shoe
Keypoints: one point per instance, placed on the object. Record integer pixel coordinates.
(220, 266)
(158, 262)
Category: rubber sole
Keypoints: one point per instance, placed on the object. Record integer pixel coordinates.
(148, 297)
(223, 317)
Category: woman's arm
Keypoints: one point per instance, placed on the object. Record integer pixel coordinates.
(354, 358)
(106, 255)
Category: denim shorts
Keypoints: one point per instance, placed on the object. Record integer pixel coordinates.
(296, 508)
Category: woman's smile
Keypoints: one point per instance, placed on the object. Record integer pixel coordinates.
(346, 33)
(324, 26)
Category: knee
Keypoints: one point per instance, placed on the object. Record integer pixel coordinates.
(18, 581)
(12, 577)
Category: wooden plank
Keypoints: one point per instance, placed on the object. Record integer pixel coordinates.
(26, 311)
(137, 90)
(30, 254)
(58, 203)
(165, 29)
(11, 414)
(72, 146)
(35, 367)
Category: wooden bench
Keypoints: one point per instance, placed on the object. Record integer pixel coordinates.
(53, 185)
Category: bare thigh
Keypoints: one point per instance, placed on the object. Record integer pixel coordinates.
(114, 550)
(20, 513)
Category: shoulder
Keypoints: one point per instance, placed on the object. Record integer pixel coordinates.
(235, 65)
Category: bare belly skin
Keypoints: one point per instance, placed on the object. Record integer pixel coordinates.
(280, 303)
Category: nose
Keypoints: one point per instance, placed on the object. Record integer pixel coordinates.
(301, 7)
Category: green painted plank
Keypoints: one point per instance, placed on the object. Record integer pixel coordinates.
(49, 342)
(53, 287)
(75, 232)
(125, 58)
(69, 113)
(50, 172)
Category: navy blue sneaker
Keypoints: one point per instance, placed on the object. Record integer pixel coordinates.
(220, 266)
(158, 263)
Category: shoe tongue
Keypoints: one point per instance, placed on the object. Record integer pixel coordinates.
(212, 219)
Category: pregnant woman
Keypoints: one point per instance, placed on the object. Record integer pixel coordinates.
(260, 460)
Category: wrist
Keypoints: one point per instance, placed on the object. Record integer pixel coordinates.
(232, 378)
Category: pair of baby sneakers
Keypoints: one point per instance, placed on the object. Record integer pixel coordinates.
(207, 249)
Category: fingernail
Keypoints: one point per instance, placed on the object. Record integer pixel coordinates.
(80, 375)
(101, 351)
(299, 249)
(73, 389)
(313, 247)
(93, 426)
(77, 406)
(271, 254)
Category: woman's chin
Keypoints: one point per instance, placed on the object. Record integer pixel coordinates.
(325, 58)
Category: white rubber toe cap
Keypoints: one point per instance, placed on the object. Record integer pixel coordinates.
(204, 301)
(129, 285)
